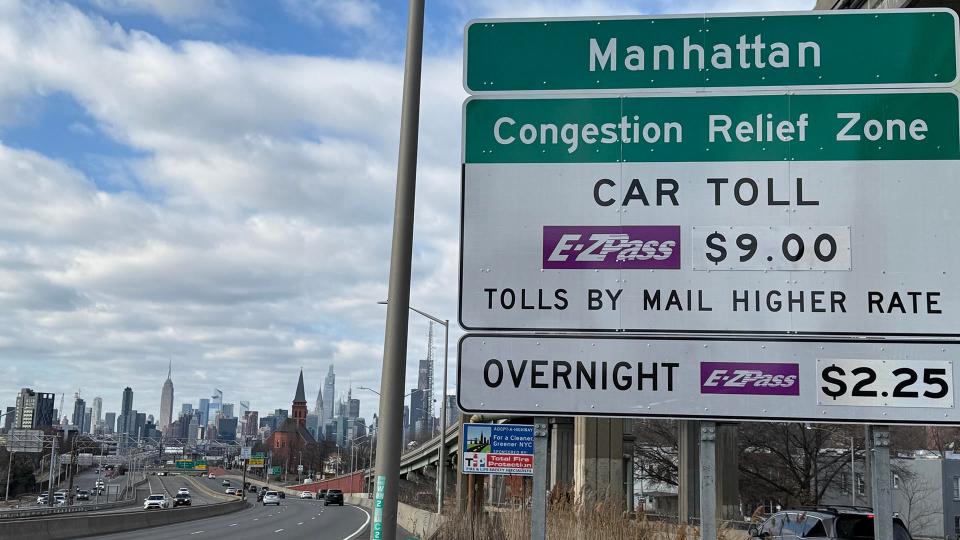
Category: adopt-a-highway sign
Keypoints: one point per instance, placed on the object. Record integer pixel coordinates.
(504, 449)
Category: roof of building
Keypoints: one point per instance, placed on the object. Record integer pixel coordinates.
(292, 426)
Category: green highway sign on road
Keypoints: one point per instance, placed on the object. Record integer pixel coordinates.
(813, 126)
(816, 49)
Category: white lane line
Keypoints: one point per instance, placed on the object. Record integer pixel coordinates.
(196, 532)
(278, 531)
(256, 519)
(362, 527)
(233, 524)
(301, 523)
(314, 517)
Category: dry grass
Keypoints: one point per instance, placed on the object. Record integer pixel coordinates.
(569, 520)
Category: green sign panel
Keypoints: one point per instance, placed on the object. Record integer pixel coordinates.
(770, 127)
(277, 470)
(812, 49)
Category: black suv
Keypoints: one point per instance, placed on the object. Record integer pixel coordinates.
(333, 496)
(181, 499)
(824, 522)
(321, 494)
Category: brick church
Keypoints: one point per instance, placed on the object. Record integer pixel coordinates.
(286, 443)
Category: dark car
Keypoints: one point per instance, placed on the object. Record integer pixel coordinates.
(260, 495)
(252, 489)
(825, 522)
(182, 499)
(321, 494)
(282, 495)
(83, 495)
(333, 496)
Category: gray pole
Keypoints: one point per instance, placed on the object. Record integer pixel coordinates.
(398, 298)
(853, 474)
(53, 457)
(6, 497)
(882, 482)
(538, 506)
(441, 459)
(708, 480)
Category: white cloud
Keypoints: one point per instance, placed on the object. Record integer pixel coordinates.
(358, 14)
(216, 11)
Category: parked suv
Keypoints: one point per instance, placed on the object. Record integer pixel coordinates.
(333, 496)
(825, 522)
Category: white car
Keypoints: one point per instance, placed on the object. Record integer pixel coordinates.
(212, 476)
(183, 491)
(159, 502)
(271, 497)
(306, 495)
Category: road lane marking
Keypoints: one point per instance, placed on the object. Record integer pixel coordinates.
(233, 524)
(362, 527)
(301, 523)
(256, 519)
(278, 531)
(196, 532)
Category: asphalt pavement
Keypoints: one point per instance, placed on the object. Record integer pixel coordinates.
(293, 519)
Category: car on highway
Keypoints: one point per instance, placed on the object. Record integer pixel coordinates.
(230, 491)
(225, 483)
(161, 473)
(156, 501)
(321, 494)
(212, 476)
(59, 500)
(83, 495)
(182, 499)
(333, 496)
(271, 497)
(825, 522)
(43, 498)
(183, 491)
(306, 495)
(253, 488)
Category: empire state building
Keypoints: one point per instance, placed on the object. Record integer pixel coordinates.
(166, 401)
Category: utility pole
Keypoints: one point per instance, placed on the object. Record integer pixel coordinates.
(387, 485)
(244, 482)
(53, 458)
(6, 497)
(73, 460)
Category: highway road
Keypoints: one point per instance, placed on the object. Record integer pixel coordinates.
(293, 519)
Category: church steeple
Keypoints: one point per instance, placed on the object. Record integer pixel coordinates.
(300, 403)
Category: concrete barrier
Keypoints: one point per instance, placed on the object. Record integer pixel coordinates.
(420, 523)
(63, 527)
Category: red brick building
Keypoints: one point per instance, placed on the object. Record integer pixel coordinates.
(286, 443)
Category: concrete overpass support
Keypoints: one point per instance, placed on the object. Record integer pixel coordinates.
(598, 458)
(561, 452)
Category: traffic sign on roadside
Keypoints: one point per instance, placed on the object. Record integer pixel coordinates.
(814, 49)
(245, 452)
(25, 440)
(810, 212)
(779, 378)
(501, 449)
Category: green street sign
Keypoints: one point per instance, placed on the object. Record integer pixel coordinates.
(277, 470)
(813, 126)
(816, 49)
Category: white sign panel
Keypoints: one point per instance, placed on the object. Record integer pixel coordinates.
(889, 381)
(245, 452)
(794, 213)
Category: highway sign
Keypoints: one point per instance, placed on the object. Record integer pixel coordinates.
(255, 462)
(786, 378)
(299, 468)
(185, 464)
(277, 470)
(811, 49)
(810, 212)
(25, 440)
(245, 452)
(84, 460)
(504, 449)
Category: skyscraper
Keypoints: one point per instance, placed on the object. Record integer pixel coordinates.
(109, 422)
(226, 410)
(125, 423)
(166, 401)
(186, 408)
(204, 409)
(97, 413)
(10, 416)
(353, 406)
(329, 392)
(79, 408)
(87, 420)
(318, 413)
(34, 409)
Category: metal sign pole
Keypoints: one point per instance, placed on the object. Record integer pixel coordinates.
(881, 483)
(708, 480)
(395, 340)
(442, 458)
(538, 507)
(6, 497)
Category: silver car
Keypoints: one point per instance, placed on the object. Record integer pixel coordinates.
(826, 523)
(271, 497)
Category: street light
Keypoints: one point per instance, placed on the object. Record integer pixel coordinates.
(443, 405)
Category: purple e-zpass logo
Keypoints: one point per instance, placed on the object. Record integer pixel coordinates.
(640, 247)
(749, 378)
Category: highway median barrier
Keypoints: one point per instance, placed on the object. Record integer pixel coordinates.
(79, 526)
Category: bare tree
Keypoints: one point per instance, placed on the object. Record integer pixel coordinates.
(655, 451)
(919, 502)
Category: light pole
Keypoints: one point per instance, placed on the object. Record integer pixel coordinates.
(853, 471)
(441, 458)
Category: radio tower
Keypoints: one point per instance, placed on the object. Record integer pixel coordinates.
(425, 383)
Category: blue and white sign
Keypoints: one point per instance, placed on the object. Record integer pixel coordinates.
(497, 449)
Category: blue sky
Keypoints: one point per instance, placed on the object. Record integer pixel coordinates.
(211, 181)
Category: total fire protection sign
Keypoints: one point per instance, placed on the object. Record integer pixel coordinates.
(827, 212)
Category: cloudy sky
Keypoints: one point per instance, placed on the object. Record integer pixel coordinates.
(211, 181)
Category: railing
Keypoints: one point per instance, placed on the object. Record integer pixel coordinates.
(50, 511)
